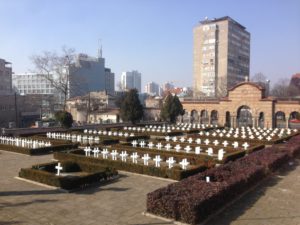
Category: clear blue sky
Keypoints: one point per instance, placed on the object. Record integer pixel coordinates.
(152, 36)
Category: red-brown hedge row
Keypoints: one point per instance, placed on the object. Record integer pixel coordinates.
(193, 199)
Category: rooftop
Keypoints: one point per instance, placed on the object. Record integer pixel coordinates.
(208, 21)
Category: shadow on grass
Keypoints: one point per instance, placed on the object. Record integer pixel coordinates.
(247, 201)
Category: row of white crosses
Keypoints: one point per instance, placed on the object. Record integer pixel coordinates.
(249, 133)
(109, 133)
(198, 141)
(74, 137)
(187, 148)
(167, 128)
(134, 157)
(24, 142)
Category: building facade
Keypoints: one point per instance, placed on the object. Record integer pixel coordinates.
(153, 88)
(245, 105)
(221, 56)
(131, 80)
(5, 77)
(89, 74)
(32, 83)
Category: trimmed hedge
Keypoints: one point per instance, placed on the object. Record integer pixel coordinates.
(38, 151)
(176, 173)
(193, 199)
(45, 173)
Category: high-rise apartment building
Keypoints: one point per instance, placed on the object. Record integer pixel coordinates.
(131, 80)
(153, 88)
(89, 74)
(5, 77)
(32, 83)
(221, 56)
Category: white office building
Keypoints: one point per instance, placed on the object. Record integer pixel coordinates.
(153, 88)
(131, 80)
(32, 83)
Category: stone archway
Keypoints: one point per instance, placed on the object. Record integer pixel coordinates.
(204, 118)
(294, 120)
(280, 120)
(227, 119)
(194, 116)
(214, 117)
(244, 117)
(261, 120)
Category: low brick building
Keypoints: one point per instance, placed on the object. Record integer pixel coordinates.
(246, 104)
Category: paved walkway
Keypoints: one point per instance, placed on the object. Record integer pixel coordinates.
(275, 201)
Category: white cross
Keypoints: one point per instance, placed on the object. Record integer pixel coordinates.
(190, 140)
(198, 150)
(134, 157)
(123, 156)
(157, 160)
(171, 162)
(150, 145)
(235, 144)
(198, 141)
(206, 141)
(159, 146)
(182, 139)
(184, 163)
(114, 154)
(168, 146)
(216, 142)
(134, 143)
(187, 148)
(260, 137)
(142, 144)
(105, 152)
(87, 151)
(59, 168)
(269, 138)
(96, 152)
(167, 138)
(146, 158)
(177, 148)
(174, 139)
(220, 154)
(225, 143)
(245, 145)
(209, 151)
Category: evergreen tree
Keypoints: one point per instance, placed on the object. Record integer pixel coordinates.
(171, 108)
(131, 108)
(65, 118)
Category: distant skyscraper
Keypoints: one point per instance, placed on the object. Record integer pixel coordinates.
(131, 80)
(167, 86)
(5, 77)
(89, 74)
(32, 83)
(153, 88)
(221, 56)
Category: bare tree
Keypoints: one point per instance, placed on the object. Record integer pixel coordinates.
(284, 89)
(259, 78)
(55, 68)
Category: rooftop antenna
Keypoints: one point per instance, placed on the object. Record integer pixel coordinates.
(99, 48)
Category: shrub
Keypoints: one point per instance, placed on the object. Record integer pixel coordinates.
(65, 118)
(192, 200)
(45, 173)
